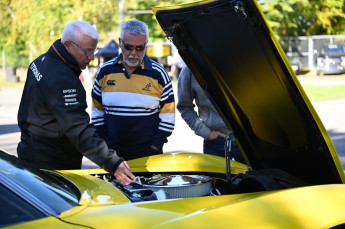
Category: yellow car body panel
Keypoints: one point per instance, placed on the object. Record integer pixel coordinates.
(188, 162)
(95, 192)
(175, 162)
(294, 208)
(48, 223)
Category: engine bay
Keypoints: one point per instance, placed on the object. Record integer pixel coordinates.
(150, 187)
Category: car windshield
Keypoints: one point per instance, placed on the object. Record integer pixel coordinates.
(56, 193)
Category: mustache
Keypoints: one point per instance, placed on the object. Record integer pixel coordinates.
(133, 57)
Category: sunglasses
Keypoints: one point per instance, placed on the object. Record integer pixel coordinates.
(129, 47)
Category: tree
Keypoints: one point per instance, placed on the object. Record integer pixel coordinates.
(145, 6)
(305, 17)
(27, 28)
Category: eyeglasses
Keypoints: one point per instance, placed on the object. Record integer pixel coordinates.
(129, 47)
(87, 52)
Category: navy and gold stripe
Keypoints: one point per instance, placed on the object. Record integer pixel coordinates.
(146, 96)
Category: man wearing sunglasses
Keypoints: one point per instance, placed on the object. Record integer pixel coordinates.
(133, 99)
(55, 130)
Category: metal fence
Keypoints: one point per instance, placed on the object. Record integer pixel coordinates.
(307, 48)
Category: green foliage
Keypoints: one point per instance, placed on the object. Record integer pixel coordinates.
(305, 17)
(28, 27)
(155, 31)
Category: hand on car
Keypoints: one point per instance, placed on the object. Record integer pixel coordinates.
(215, 134)
(124, 174)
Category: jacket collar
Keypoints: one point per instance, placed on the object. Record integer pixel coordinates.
(59, 50)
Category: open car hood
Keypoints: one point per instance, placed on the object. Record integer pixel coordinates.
(236, 58)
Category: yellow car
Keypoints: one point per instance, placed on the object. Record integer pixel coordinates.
(293, 177)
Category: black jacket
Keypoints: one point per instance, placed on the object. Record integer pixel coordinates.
(55, 129)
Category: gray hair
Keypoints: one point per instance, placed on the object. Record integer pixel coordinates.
(74, 30)
(134, 27)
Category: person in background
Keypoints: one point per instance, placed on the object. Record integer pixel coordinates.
(177, 65)
(133, 99)
(55, 127)
(206, 123)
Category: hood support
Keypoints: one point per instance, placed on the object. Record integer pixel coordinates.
(227, 148)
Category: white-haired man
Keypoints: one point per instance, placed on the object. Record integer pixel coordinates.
(55, 129)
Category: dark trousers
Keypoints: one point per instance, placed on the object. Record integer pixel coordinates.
(216, 147)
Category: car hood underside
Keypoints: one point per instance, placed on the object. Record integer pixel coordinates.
(237, 60)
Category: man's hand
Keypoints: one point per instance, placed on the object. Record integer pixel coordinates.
(123, 174)
(215, 134)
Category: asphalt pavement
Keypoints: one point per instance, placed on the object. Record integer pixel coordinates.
(331, 113)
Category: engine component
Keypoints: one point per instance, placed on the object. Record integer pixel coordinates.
(137, 193)
(178, 186)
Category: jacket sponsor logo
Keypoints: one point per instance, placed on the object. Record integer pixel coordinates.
(68, 91)
(35, 71)
(111, 82)
(147, 87)
(70, 96)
